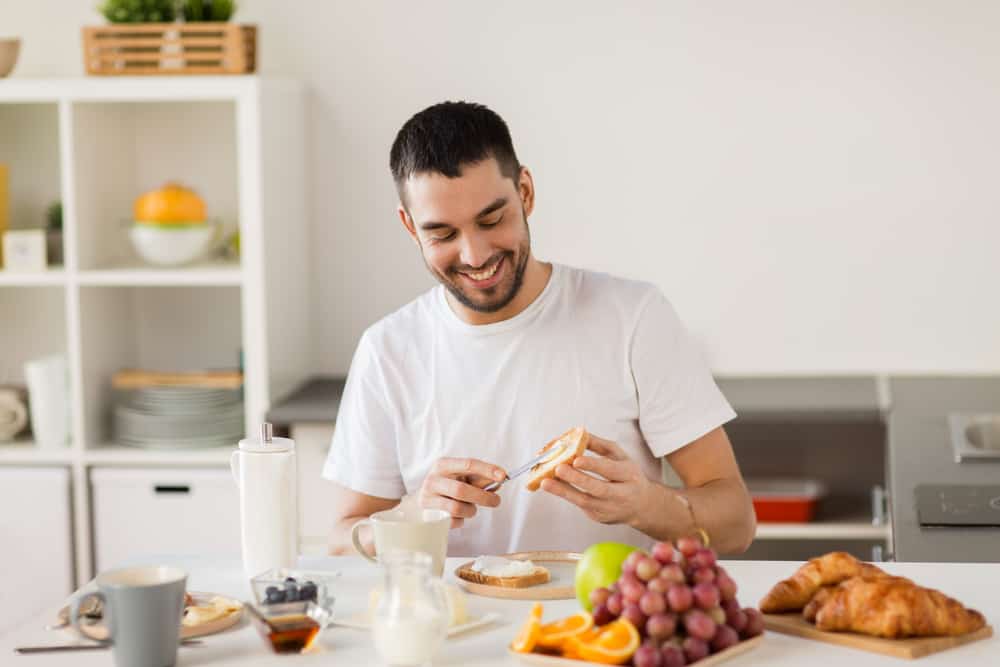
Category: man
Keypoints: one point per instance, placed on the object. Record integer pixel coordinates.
(472, 378)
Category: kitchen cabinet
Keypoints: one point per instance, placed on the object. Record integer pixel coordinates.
(921, 453)
(37, 552)
(139, 512)
(312, 442)
(831, 429)
(95, 144)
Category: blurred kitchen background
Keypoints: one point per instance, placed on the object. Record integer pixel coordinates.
(813, 185)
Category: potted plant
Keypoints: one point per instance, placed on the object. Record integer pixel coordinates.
(169, 37)
(139, 11)
(164, 11)
(207, 10)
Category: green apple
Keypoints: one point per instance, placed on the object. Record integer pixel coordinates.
(601, 565)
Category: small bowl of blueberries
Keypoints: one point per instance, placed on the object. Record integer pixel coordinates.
(282, 586)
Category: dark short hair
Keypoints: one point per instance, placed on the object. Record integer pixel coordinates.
(445, 137)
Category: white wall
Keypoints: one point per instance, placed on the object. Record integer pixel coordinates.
(812, 183)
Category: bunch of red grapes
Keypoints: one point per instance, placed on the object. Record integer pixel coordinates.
(682, 602)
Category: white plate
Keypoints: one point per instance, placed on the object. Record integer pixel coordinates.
(178, 431)
(177, 444)
(176, 426)
(171, 392)
(203, 411)
(361, 621)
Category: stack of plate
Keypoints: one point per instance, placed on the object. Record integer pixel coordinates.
(179, 417)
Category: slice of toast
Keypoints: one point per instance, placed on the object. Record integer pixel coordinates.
(575, 441)
(537, 576)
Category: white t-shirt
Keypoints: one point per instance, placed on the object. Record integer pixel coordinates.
(592, 350)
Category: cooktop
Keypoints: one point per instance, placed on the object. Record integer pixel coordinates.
(958, 505)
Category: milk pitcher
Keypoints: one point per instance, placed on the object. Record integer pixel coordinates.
(265, 471)
(410, 621)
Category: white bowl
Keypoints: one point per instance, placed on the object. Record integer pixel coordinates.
(8, 54)
(166, 246)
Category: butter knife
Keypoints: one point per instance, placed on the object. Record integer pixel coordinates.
(51, 648)
(541, 458)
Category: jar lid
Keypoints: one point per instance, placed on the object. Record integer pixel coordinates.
(266, 443)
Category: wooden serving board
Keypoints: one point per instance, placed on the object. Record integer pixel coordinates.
(556, 661)
(362, 621)
(560, 586)
(794, 624)
(140, 379)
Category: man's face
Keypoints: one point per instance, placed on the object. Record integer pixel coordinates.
(472, 232)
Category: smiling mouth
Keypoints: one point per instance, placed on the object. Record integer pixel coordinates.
(484, 276)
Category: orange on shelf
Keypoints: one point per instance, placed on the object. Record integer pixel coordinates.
(555, 634)
(614, 644)
(173, 204)
(527, 637)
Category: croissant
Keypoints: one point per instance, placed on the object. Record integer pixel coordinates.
(794, 593)
(892, 607)
(816, 603)
(824, 593)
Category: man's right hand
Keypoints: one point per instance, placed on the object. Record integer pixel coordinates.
(455, 486)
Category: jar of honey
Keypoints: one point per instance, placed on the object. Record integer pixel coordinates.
(290, 627)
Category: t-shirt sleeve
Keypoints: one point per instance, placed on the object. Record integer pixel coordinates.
(678, 399)
(363, 454)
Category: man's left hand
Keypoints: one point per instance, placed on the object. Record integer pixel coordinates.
(617, 498)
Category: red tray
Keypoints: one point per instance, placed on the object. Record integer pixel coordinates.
(785, 501)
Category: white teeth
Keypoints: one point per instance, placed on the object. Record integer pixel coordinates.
(483, 275)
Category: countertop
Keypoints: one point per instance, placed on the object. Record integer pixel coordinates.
(817, 398)
(920, 452)
(486, 647)
(848, 398)
(316, 400)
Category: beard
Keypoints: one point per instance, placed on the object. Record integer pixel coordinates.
(496, 298)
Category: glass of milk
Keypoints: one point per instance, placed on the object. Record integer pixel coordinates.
(411, 619)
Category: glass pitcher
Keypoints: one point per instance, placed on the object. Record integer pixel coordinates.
(411, 619)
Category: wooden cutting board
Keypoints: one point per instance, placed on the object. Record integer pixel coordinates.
(794, 624)
(555, 661)
(561, 585)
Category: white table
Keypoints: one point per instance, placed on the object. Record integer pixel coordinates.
(974, 584)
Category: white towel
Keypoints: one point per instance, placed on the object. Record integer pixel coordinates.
(13, 415)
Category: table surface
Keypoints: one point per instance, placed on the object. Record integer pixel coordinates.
(973, 584)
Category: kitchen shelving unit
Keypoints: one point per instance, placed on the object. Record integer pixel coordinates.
(95, 144)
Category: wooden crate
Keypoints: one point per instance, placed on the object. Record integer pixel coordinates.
(170, 48)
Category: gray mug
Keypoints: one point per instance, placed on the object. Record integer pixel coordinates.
(142, 611)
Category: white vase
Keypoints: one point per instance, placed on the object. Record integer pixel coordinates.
(48, 400)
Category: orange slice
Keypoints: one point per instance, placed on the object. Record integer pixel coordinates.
(555, 634)
(571, 647)
(527, 637)
(614, 644)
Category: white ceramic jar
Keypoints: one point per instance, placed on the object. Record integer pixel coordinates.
(265, 471)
